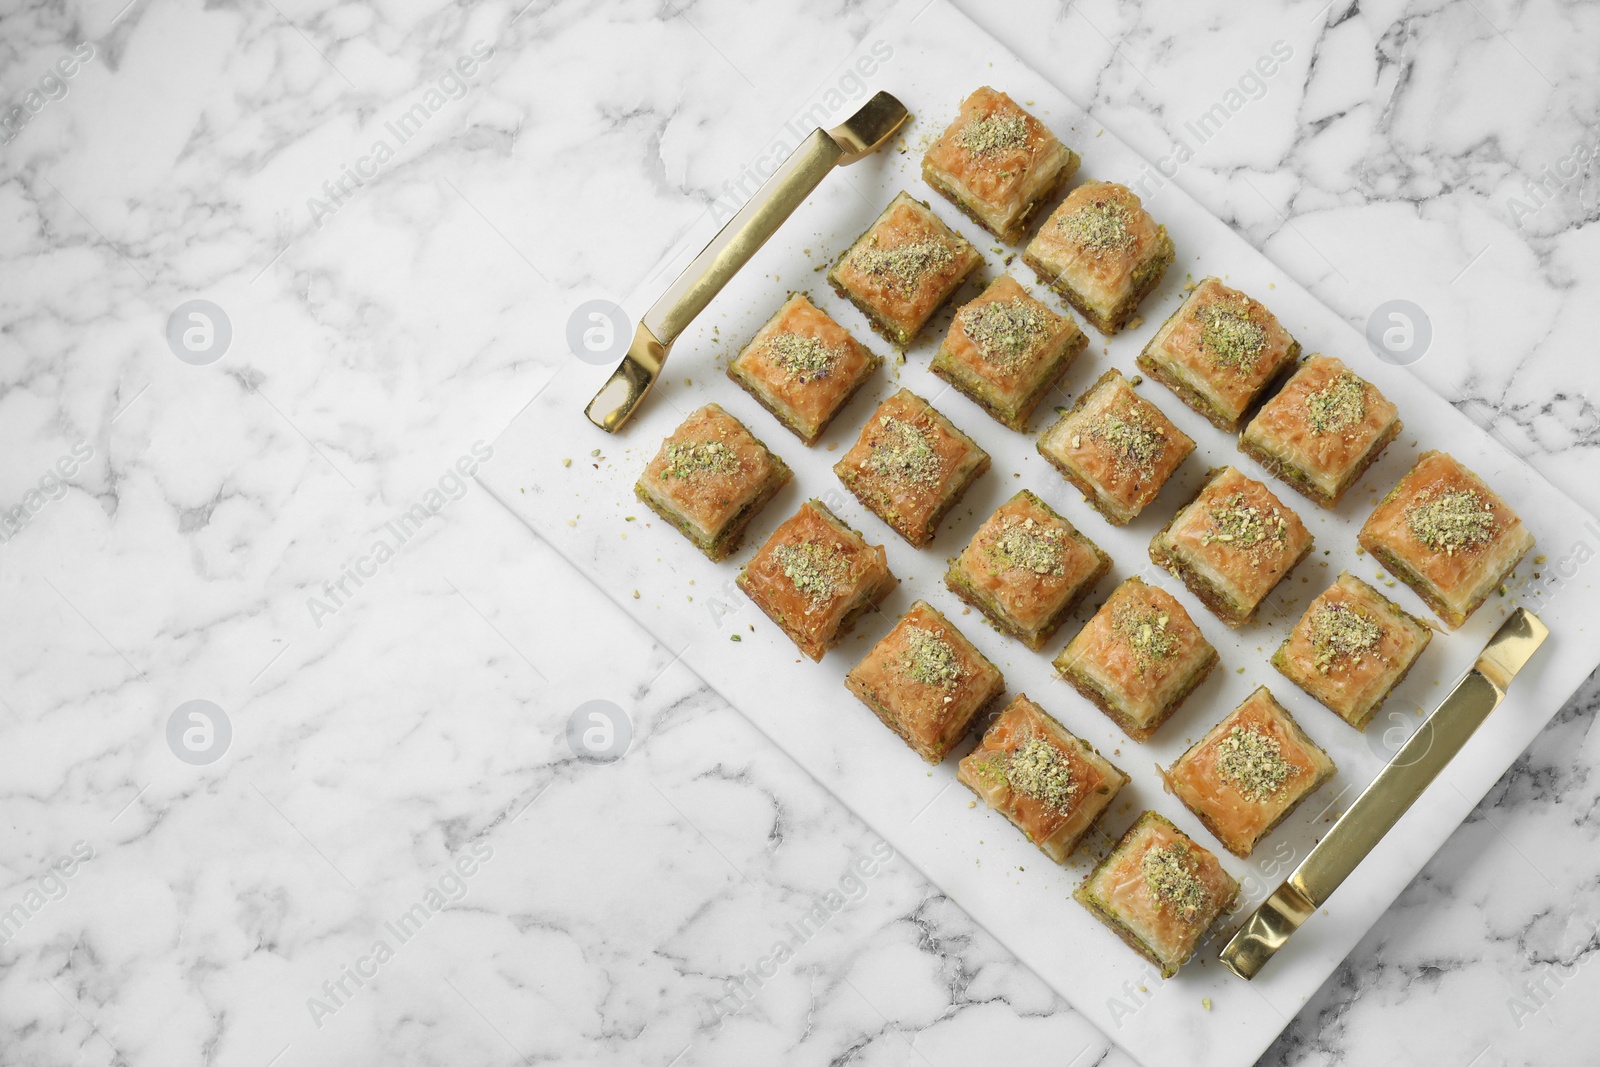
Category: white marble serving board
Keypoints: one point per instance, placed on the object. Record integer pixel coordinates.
(931, 56)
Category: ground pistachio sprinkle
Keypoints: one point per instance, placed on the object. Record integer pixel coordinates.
(1339, 633)
(905, 266)
(1099, 227)
(1134, 443)
(1253, 761)
(1337, 406)
(699, 457)
(994, 133)
(1169, 872)
(1006, 331)
(1146, 631)
(1031, 546)
(1242, 525)
(929, 659)
(819, 571)
(1042, 771)
(1452, 522)
(1232, 337)
(805, 358)
(903, 450)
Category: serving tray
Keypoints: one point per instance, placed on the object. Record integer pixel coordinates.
(572, 483)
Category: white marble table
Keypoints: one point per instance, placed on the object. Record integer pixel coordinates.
(289, 531)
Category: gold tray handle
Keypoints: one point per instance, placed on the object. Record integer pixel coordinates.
(859, 136)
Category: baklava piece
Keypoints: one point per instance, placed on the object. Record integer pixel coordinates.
(1232, 544)
(1102, 252)
(1005, 351)
(803, 367)
(1053, 786)
(1446, 535)
(903, 268)
(1249, 773)
(910, 466)
(1322, 431)
(1116, 448)
(1159, 891)
(1351, 648)
(1026, 569)
(997, 163)
(709, 480)
(1138, 658)
(926, 682)
(815, 577)
(1219, 352)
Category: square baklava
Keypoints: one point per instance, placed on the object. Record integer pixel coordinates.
(1159, 891)
(926, 682)
(997, 163)
(1116, 448)
(803, 367)
(910, 466)
(1103, 253)
(1322, 431)
(1053, 786)
(1219, 352)
(710, 478)
(1138, 658)
(903, 268)
(1005, 351)
(1249, 772)
(815, 577)
(1026, 569)
(1351, 648)
(1232, 544)
(1447, 535)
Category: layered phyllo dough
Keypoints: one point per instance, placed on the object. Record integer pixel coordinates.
(910, 466)
(1116, 448)
(1138, 658)
(926, 682)
(1232, 544)
(1026, 569)
(1103, 253)
(710, 478)
(1219, 352)
(1249, 772)
(815, 577)
(1447, 535)
(1159, 891)
(997, 163)
(1005, 351)
(1053, 786)
(903, 268)
(1351, 648)
(1322, 431)
(803, 367)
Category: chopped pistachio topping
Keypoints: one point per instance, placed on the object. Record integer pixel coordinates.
(1248, 527)
(1337, 406)
(1340, 633)
(1146, 631)
(994, 133)
(1452, 522)
(819, 571)
(1169, 872)
(1042, 771)
(1253, 761)
(930, 659)
(1134, 443)
(1005, 332)
(905, 266)
(1099, 227)
(806, 358)
(1232, 337)
(903, 450)
(1029, 545)
(699, 457)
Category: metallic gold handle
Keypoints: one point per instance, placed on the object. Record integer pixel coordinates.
(1389, 796)
(859, 136)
